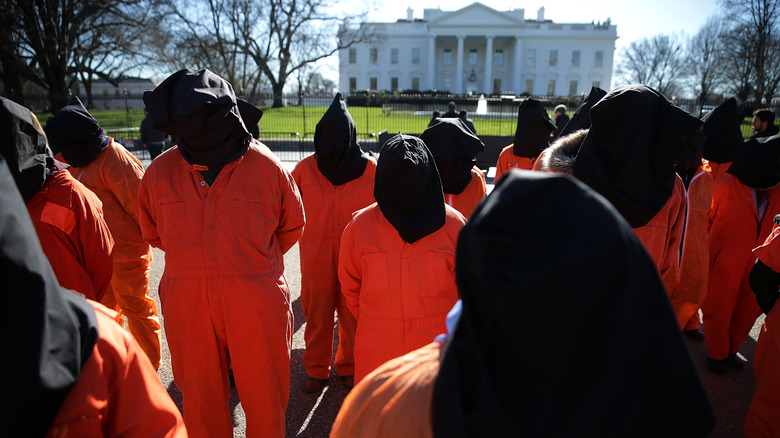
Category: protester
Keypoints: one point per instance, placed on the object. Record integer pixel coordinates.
(113, 174)
(464, 116)
(551, 340)
(434, 117)
(531, 138)
(224, 210)
(71, 370)
(397, 257)
(745, 201)
(151, 139)
(451, 113)
(454, 148)
(764, 123)
(335, 181)
(68, 217)
(581, 117)
(724, 137)
(561, 119)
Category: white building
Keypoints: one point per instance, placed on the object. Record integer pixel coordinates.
(478, 49)
(127, 94)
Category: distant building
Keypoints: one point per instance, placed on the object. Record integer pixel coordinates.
(128, 94)
(478, 49)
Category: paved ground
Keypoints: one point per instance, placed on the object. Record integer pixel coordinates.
(311, 415)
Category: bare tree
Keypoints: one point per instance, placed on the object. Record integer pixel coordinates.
(657, 62)
(705, 57)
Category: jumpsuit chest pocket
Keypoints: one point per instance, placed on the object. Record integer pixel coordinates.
(173, 219)
(439, 271)
(374, 272)
(251, 219)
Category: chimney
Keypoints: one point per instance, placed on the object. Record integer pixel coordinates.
(540, 14)
(410, 14)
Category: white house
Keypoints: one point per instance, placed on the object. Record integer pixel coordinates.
(127, 94)
(478, 49)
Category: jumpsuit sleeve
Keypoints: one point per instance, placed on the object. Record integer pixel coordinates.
(501, 164)
(123, 178)
(292, 218)
(349, 270)
(147, 212)
(671, 260)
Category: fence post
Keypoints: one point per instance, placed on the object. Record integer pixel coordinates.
(303, 107)
(127, 108)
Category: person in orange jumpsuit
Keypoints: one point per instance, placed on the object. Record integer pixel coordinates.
(631, 162)
(224, 210)
(745, 201)
(454, 148)
(67, 216)
(532, 136)
(113, 174)
(397, 257)
(724, 137)
(335, 181)
(543, 345)
(72, 371)
(762, 419)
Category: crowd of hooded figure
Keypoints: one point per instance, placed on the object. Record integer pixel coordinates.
(555, 306)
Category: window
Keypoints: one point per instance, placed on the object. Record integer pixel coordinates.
(529, 86)
(553, 58)
(598, 61)
(372, 80)
(393, 56)
(498, 57)
(447, 57)
(497, 86)
(575, 58)
(447, 83)
(530, 58)
(393, 84)
(416, 55)
(352, 84)
(551, 87)
(352, 56)
(572, 88)
(415, 83)
(374, 56)
(472, 57)
(597, 84)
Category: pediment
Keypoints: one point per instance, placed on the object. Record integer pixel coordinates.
(475, 14)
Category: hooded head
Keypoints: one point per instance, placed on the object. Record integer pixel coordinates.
(339, 156)
(251, 116)
(612, 358)
(534, 127)
(722, 136)
(581, 117)
(199, 109)
(76, 134)
(407, 188)
(454, 147)
(757, 164)
(631, 160)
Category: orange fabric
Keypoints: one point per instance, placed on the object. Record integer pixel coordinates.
(769, 252)
(394, 400)
(730, 309)
(223, 293)
(118, 393)
(328, 210)
(68, 219)
(114, 176)
(466, 201)
(693, 273)
(717, 169)
(400, 293)
(661, 236)
(508, 160)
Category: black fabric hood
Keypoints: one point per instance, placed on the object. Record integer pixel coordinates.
(454, 147)
(24, 148)
(636, 136)
(757, 163)
(407, 188)
(722, 136)
(534, 127)
(339, 156)
(48, 332)
(581, 117)
(251, 116)
(562, 333)
(76, 134)
(199, 109)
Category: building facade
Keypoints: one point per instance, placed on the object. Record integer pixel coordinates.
(478, 50)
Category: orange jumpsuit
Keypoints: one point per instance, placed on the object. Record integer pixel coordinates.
(730, 309)
(223, 293)
(328, 210)
(68, 219)
(114, 175)
(508, 160)
(466, 201)
(400, 293)
(762, 417)
(693, 273)
(661, 236)
(118, 393)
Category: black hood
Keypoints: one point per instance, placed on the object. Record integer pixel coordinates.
(48, 332)
(454, 147)
(407, 188)
(251, 116)
(200, 110)
(635, 138)
(339, 156)
(581, 117)
(757, 163)
(76, 134)
(534, 127)
(722, 136)
(562, 333)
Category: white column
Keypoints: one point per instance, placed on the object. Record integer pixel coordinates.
(459, 66)
(517, 70)
(488, 87)
(431, 62)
